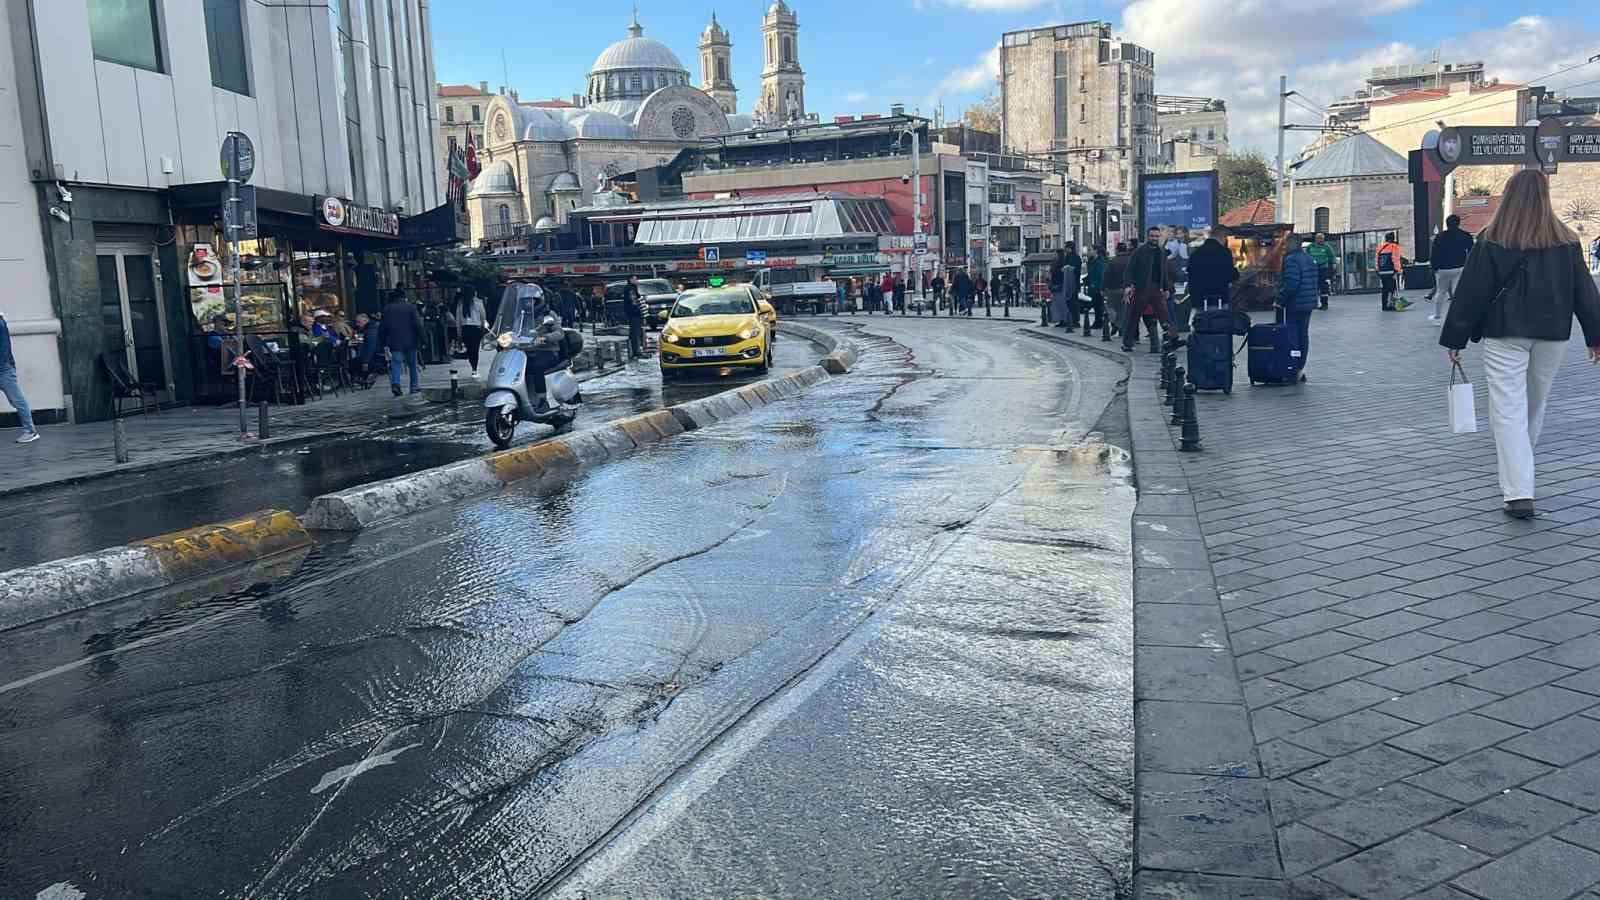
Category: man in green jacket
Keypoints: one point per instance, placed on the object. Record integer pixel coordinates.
(1093, 283)
(1322, 254)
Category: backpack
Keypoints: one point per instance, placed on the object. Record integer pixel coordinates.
(1386, 261)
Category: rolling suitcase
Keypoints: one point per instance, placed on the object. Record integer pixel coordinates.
(1211, 362)
(1273, 356)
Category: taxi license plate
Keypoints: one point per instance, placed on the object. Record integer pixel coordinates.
(706, 351)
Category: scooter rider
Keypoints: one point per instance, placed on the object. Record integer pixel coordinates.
(545, 352)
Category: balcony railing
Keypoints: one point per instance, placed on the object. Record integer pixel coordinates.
(505, 231)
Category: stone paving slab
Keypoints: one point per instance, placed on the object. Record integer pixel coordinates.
(1419, 676)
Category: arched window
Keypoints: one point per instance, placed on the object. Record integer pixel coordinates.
(772, 51)
(633, 82)
(505, 215)
(722, 69)
(1319, 220)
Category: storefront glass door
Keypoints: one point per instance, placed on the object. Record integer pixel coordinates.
(133, 320)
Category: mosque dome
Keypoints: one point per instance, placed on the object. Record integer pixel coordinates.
(631, 70)
(566, 181)
(601, 125)
(495, 179)
(542, 126)
(637, 52)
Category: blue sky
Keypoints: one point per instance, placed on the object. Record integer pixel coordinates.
(861, 56)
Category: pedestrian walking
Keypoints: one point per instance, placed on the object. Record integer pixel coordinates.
(1056, 307)
(1299, 297)
(400, 331)
(886, 292)
(1522, 284)
(1322, 254)
(634, 307)
(1072, 285)
(470, 315)
(1212, 272)
(11, 386)
(1094, 278)
(963, 291)
(938, 291)
(1150, 277)
(1449, 255)
(1114, 288)
(899, 294)
(1390, 264)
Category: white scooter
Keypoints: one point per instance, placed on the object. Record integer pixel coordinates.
(516, 334)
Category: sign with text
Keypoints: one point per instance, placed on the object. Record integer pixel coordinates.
(335, 214)
(755, 257)
(1581, 145)
(1178, 200)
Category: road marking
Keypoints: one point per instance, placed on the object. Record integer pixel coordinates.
(354, 770)
(61, 890)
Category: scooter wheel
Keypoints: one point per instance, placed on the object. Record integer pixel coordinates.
(500, 428)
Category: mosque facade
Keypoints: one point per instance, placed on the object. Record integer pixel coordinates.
(639, 108)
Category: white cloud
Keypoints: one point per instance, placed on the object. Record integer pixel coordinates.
(976, 78)
(982, 5)
(856, 97)
(1201, 51)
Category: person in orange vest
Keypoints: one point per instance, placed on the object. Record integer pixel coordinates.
(1390, 265)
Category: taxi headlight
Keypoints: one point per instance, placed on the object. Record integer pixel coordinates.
(670, 337)
(503, 341)
(749, 333)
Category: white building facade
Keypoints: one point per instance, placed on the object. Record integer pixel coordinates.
(122, 107)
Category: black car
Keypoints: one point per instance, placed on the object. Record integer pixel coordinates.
(658, 294)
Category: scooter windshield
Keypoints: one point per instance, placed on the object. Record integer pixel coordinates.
(516, 312)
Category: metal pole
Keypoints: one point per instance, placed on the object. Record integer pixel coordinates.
(233, 266)
(119, 440)
(262, 429)
(1283, 101)
(916, 217)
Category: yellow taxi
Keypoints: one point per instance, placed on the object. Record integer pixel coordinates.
(715, 330)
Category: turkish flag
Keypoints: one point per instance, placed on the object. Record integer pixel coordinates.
(472, 157)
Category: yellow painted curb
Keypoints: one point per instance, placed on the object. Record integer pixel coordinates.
(527, 462)
(208, 548)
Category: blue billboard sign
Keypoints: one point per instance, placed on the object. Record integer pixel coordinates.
(1178, 200)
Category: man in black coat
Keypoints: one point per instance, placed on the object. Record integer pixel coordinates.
(633, 306)
(401, 332)
(1211, 271)
(1072, 286)
(1451, 247)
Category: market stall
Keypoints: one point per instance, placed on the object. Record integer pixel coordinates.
(1258, 253)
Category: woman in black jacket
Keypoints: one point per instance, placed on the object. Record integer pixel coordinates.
(1523, 282)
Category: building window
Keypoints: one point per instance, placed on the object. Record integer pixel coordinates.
(1319, 220)
(225, 37)
(722, 69)
(450, 115)
(635, 83)
(505, 216)
(477, 113)
(1211, 134)
(124, 31)
(1083, 83)
(788, 50)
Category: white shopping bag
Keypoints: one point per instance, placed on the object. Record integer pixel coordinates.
(1463, 411)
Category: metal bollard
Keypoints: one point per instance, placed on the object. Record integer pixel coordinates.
(455, 387)
(1006, 306)
(119, 440)
(1177, 397)
(1168, 363)
(263, 431)
(1189, 441)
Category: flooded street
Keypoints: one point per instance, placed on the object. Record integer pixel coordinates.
(874, 640)
(69, 519)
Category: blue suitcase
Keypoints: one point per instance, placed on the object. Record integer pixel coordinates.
(1273, 356)
(1211, 362)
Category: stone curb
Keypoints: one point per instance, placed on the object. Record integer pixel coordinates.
(560, 458)
(50, 589)
(1202, 821)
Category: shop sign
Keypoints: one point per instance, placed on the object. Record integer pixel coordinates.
(334, 214)
(853, 259)
(955, 259)
(1007, 260)
(1005, 221)
(755, 257)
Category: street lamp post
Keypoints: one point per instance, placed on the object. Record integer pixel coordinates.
(916, 215)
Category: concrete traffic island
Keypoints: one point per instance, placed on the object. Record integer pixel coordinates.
(54, 588)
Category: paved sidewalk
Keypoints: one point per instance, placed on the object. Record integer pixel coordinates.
(1411, 705)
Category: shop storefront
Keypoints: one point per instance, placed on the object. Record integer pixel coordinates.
(312, 257)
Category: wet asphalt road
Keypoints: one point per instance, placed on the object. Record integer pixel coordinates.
(873, 641)
(58, 522)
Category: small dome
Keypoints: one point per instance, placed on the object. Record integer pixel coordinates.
(566, 181)
(778, 7)
(541, 126)
(496, 178)
(600, 125)
(714, 31)
(545, 223)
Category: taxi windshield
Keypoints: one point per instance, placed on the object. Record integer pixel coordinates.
(725, 302)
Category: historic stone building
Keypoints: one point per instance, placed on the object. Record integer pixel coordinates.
(639, 108)
(1086, 97)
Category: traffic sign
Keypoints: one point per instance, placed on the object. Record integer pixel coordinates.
(755, 257)
(919, 244)
(239, 217)
(238, 157)
(710, 254)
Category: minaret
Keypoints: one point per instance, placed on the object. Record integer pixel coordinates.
(716, 66)
(783, 84)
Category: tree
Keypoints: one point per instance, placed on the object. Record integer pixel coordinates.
(984, 115)
(1243, 177)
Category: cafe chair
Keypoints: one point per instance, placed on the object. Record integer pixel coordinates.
(273, 372)
(125, 387)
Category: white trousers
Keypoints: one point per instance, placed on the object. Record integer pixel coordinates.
(1520, 372)
(1444, 289)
